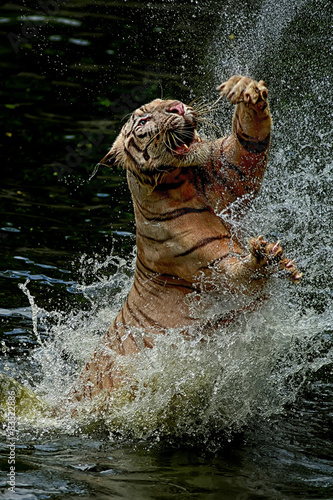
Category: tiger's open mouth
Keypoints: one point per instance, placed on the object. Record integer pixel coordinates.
(179, 140)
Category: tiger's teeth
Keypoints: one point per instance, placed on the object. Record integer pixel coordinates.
(199, 139)
(185, 146)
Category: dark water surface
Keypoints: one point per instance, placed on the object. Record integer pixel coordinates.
(70, 72)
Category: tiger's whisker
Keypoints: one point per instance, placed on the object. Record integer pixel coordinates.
(207, 108)
(209, 122)
(198, 100)
(217, 100)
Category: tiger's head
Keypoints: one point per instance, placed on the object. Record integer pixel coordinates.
(158, 137)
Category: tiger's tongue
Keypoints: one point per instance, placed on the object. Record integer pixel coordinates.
(181, 149)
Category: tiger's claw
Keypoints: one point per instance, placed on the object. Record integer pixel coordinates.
(270, 255)
(243, 89)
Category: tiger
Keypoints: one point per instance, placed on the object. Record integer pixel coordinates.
(180, 183)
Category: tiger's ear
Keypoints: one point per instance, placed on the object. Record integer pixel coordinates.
(110, 159)
(114, 157)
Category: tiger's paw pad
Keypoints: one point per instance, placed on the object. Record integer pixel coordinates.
(243, 89)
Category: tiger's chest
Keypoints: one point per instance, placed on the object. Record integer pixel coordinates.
(178, 232)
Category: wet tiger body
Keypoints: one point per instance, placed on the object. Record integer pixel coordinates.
(179, 184)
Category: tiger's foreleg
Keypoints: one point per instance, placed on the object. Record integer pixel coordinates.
(252, 121)
(247, 146)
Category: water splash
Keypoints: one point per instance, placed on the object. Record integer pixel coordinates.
(34, 310)
(249, 34)
(192, 390)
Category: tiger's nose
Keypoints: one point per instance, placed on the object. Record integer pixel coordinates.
(177, 108)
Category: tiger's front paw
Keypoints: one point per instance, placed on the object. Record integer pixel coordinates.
(270, 255)
(243, 89)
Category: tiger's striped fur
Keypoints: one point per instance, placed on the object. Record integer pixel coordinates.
(179, 183)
